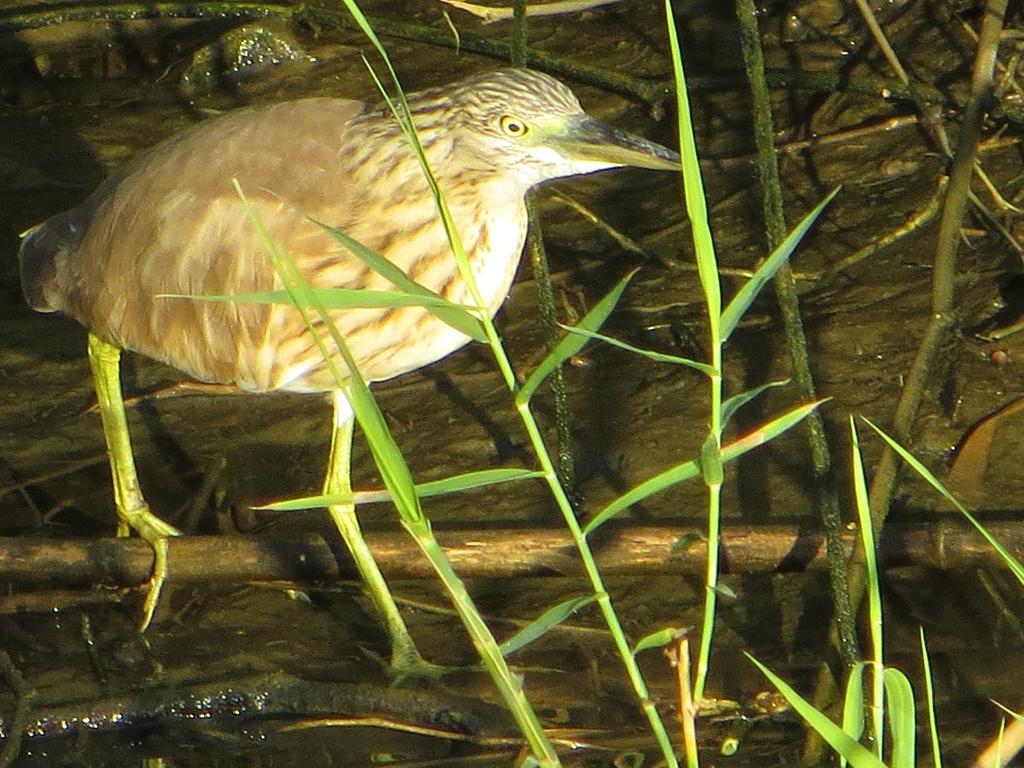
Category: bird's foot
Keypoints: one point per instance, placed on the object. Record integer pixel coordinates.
(156, 532)
(156, 583)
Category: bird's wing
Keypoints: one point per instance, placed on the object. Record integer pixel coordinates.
(171, 223)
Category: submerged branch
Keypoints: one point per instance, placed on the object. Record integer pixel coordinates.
(266, 696)
(476, 553)
(796, 337)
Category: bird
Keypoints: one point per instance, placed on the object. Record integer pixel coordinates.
(170, 223)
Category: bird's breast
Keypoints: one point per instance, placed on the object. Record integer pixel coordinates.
(496, 255)
(387, 342)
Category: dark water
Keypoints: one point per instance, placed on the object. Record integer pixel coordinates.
(77, 100)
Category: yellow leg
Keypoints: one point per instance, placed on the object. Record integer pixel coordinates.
(132, 511)
(405, 659)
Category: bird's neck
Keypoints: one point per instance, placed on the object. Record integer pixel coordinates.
(487, 208)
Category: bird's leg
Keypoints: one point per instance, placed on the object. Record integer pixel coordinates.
(132, 511)
(405, 659)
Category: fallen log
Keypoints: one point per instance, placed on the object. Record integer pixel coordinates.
(620, 549)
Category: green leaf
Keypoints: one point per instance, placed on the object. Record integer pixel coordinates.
(1013, 714)
(1012, 562)
(367, 30)
(572, 343)
(748, 292)
(929, 693)
(478, 479)
(447, 485)
(771, 429)
(693, 188)
(689, 469)
(711, 461)
(734, 403)
(335, 298)
(660, 638)
(387, 457)
(552, 617)
(855, 754)
(860, 485)
(853, 705)
(899, 696)
(453, 314)
(725, 591)
(661, 481)
(658, 357)
(375, 261)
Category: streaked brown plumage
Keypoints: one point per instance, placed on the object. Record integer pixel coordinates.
(171, 223)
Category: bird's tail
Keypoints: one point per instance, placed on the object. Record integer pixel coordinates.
(43, 247)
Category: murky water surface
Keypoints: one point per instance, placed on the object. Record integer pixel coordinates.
(76, 100)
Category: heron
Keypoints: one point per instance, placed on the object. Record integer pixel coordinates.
(170, 223)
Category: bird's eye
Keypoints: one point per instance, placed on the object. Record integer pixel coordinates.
(513, 126)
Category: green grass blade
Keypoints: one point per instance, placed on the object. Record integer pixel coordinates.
(734, 403)
(725, 591)
(394, 471)
(849, 748)
(771, 429)
(650, 354)
(364, 25)
(483, 331)
(455, 315)
(448, 485)
(766, 271)
(874, 594)
(899, 695)
(1012, 562)
(386, 269)
(689, 469)
(693, 187)
(336, 298)
(666, 479)
(659, 639)
(479, 479)
(929, 695)
(707, 270)
(386, 455)
(997, 758)
(853, 706)
(572, 343)
(1015, 715)
(540, 626)
(403, 116)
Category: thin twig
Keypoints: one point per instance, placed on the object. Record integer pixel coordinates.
(789, 304)
(546, 295)
(942, 307)
(489, 14)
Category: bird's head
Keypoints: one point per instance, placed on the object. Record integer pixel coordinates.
(530, 126)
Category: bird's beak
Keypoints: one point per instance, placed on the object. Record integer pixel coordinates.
(586, 138)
